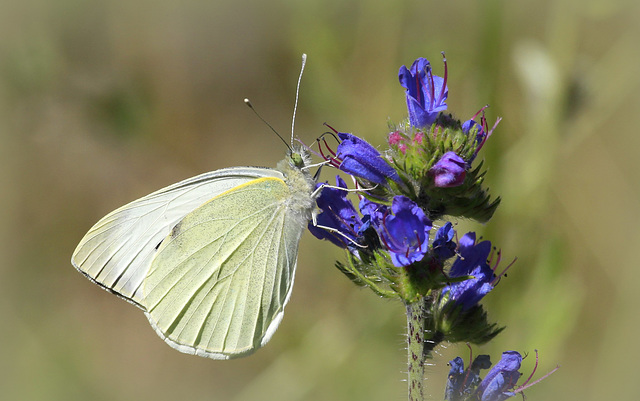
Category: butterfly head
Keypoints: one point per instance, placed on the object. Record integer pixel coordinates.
(298, 157)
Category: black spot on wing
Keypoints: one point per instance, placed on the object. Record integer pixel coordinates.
(175, 230)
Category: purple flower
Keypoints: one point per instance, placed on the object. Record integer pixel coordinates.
(372, 211)
(362, 160)
(339, 214)
(469, 124)
(426, 93)
(501, 378)
(461, 383)
(449, 171)
(498, 385)
(443, 245)
(472, 261)
(405, 233)
(455, 382)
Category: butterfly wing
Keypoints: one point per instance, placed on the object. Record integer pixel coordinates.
(117, 251)
(219, 282)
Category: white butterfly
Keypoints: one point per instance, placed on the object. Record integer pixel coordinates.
(211, 260)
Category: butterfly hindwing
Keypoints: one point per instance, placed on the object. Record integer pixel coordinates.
(219, 282)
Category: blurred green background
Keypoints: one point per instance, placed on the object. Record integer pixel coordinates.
(102, 102)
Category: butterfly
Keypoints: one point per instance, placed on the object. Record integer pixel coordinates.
(210, 260)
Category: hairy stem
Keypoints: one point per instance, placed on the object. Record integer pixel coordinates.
(415, 346)
(420, 343)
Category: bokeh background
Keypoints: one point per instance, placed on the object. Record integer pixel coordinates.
(102, 102)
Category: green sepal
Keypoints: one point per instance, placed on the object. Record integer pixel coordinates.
(458, 325)
(468, 200)
(421, 278)
(377, 273)
(419, 151)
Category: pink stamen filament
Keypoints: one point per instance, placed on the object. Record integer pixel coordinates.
(520, 389)
(409, 245)
(432, 87)
(487, 133)
(492, 254)
(533, 371)
(499, 276)
(468, 370)
(330, 150)
(418, 86)
(333, 160)
(479, 111)
(382, 237)
(446, 73)
(526, 384)
(331, 128)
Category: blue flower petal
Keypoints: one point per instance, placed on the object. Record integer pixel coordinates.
(472, 261)
(362, 160)
(443, 245)
(501, 378)
(405, 233)
(425, 93)
(337, 213)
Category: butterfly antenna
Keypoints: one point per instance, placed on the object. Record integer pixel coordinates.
(295, 106)
(248, 103)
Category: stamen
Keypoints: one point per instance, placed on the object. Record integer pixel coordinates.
(479, 111)
(526, 384)
(504, 272)
(419, 247)
(386, 244)
(418, 86)
(330, 133)
(329, 147)
(320, 150)
(485, 126)
(468, 370)
(333, 161)
(483, 122)
(384, 225)
(533, 371)
(446, 73)
(330, 127)
(492, 254)
(432, 89)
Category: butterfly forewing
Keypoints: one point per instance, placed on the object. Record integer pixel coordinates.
(219, 282)
(117, 251)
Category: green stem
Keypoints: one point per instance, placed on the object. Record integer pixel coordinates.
(420, 343)
(415, 347)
